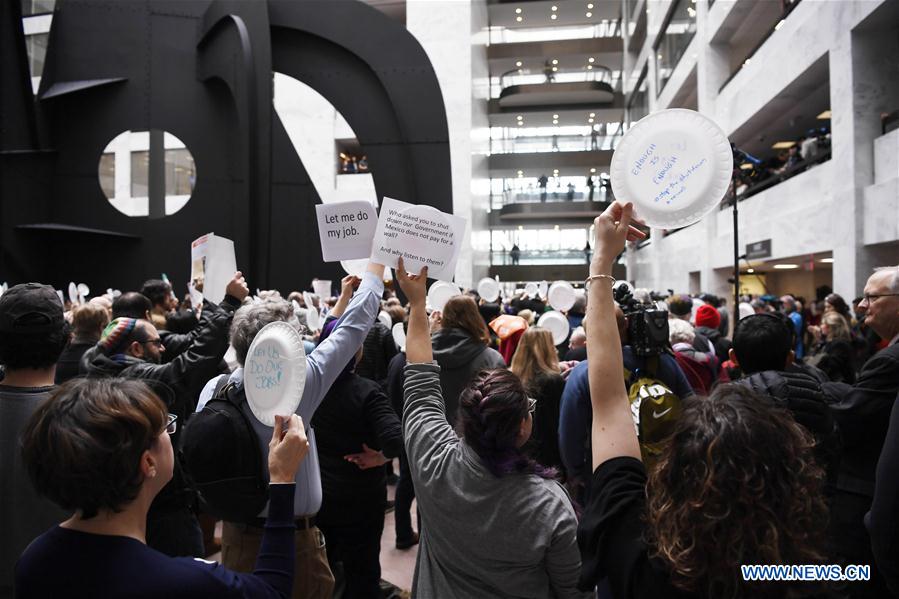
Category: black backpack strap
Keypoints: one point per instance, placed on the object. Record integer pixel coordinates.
(220, 384)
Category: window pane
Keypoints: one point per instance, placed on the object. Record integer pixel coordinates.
(180, 174)
(675, 39)
(140, 167)
(37, 51)
(107, 175)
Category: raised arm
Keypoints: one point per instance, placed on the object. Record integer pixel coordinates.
(348, 284)
(418, 337)
(613, 432)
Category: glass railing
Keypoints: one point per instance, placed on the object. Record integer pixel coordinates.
(675, 39)
(532, 257)
(533, 77)
(534, 195)
(504, 35)
(554, 143)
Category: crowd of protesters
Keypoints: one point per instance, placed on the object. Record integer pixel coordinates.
(603, 466)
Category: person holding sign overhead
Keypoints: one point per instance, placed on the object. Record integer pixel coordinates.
(241, 541)
(497, 524)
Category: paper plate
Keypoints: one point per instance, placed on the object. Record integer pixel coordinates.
(555, 323)
(561, 296)
(385, 319)
(488, 289)
(354, 267)
(399, 336)
(440, 293)
(746, 309)
(674, 165)
(275, 372)
(73, 293)
(313, 319)
(542, 289)
(83, 290)
(531, 289)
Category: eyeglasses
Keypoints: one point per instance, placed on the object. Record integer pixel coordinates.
(532, 405)
(869, 298)
(171, 424)
(157, 342)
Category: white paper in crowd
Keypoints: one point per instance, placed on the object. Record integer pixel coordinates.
(322, 288)
(542, 288)
(196, 296)
(422, 235)
(385, 319)
(675, 166)
(346, 229)
(73, 292)
(275, 372)
(561, 296)
(746, 309)
(531, 290)
(310, 304)
(440, 293)
(488, 289)
(296, 306)
(399, 336)
(313, 319)
(212, 265)
(61, 298)
(556, 324)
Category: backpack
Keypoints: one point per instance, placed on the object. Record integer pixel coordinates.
(654, 406)
(220, 453)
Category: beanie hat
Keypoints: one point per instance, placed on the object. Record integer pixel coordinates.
(116, 334)
(707, 316)
(680, 305)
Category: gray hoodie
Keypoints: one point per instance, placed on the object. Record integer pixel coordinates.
(461, 357)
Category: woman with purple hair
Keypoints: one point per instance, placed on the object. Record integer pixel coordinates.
(496, 524)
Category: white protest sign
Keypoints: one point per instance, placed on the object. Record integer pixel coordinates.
(196, 297)
(322, 288)
(346, 229)
(675, 166)
(422, 235)
(212, 265)
(275, 372)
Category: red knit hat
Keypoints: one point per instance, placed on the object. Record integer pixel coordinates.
(707, 316)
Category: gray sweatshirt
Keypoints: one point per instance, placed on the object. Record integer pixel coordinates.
(482, 536)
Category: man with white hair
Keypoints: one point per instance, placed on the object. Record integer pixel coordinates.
(863, 414)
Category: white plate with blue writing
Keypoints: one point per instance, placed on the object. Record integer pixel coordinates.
(274, 372)
(675, 166)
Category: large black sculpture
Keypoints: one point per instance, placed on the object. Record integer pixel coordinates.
(203, 72)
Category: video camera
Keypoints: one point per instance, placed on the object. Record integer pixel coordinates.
(647, 327)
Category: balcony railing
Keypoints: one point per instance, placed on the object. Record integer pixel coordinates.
(554, 143)
(532, 257)
(555, 194)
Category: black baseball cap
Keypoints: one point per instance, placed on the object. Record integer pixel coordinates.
(30, 308)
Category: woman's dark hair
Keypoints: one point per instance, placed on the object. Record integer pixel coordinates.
(157, 291)
(491, 410)
(461, 312)
(82, 446)
(736, 484)
(839, 305)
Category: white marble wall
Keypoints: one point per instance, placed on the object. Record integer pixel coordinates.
(452, 34)
(842, 206)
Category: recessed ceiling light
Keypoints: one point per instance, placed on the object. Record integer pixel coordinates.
(592, 114)
(747, 61)
(520, 123)
(783, 145)
(553, 17)
(517, 63)
(750, 270)
(589, 14)
(779, 24)
(518, 19)
(824, 115)
(555, 61)
(555, 116)
(591, 60)
(517, 11)
(589, 67)
(786, 266)
(555, 69)
(554, 8)
(555, 121)
(592, 170)
(520, 117)
(590, 120)
(826, 260)
(589, 7)
(520, 173)
(520, 228)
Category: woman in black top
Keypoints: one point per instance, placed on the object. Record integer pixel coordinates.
(356, 432)
(832, 351)
(101, 448)
(737, 483)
